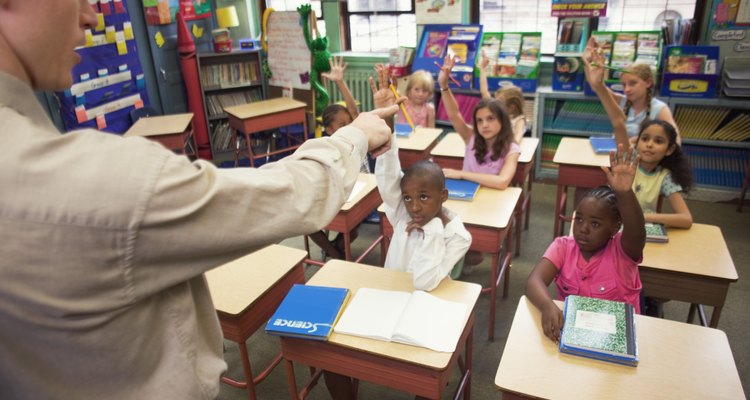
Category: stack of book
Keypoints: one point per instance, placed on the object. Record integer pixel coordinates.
(460, 189)
(656, 233)
(599, 329)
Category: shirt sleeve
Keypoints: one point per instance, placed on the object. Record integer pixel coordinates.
(438, 252)
(192, 217)
(555, 253)
(669, 186)
(388, 176)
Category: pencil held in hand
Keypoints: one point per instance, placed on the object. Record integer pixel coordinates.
(403, 109)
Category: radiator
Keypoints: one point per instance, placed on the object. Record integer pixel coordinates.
(359, 86)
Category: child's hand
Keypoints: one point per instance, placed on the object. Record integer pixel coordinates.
(338, 66)
(452, 173)
(593, 64)
(591, 49)
(621, 172)
(382, 94)
(484, 62)
(445, 70)
(552, 322)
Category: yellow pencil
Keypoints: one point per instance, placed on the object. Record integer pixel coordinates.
(403, 109)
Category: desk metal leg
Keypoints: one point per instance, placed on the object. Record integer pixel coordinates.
(559, 209)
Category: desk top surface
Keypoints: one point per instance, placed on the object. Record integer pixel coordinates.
(490, 208)
(578, 151)
(370, 184)
(239, 283)
(420, 140)
(453, 146)
(264, 107)
(351, 275)
(160, 125)
(677, 360)
(700, 250)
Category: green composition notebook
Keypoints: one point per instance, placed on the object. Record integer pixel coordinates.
(599, 329)
(656, 233)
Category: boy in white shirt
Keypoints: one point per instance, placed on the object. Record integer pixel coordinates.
(428, 239)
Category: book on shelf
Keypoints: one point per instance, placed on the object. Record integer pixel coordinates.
(417, 318)
(599, 329)
(461, 189)
(603, 145)
(656, 233)
(308, 312)
(402, 130)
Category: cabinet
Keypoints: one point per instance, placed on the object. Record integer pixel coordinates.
(715, 133)
(228, 79)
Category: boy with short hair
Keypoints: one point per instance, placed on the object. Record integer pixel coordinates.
(428, 239)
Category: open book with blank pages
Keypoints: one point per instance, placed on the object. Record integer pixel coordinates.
(417, 318)
(599, 329)
(602, 145)
(308, 312)
(460, 189)
(656, 233)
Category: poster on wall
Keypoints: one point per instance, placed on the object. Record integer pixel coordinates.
(579, 8)
(438, 11)
(730, 25)
(289, 58)
(160, 12)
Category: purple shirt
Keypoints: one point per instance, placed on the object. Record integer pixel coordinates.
(609, 274)
(489, 166)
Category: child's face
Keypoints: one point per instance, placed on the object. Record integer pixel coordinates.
(423, 198)
(594, 225)
(488, 124)
(634, 87)
(341, 119)
(653, 145)
(419, 94)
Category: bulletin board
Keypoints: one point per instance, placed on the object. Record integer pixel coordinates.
(289, 58)
(108, 82)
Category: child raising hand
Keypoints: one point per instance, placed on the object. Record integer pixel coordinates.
(599, 260)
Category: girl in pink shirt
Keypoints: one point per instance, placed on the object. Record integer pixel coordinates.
(598, 260)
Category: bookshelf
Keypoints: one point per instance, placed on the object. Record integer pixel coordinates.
(228, 79)
(715, 133)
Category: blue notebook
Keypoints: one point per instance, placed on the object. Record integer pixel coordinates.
(308, 312)
(403, 130)
(603, 145)
(459, 189)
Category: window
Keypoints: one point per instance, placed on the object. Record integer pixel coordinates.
(622, 15)
(378, 25)
(291, 5)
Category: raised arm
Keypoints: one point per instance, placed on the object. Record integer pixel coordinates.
(592, 48)
(388, 176)
(336, 75)
(620, 176)
(594, 70)
(449, 102)
(483, 86)
(537, 291)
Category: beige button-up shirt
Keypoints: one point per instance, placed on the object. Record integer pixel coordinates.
(103, 246)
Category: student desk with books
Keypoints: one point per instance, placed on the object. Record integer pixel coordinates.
(352, 213)
(265, 115)
(677, 361)
(694, 266)
(411, 369)
(488, 219)
(174, 131)
(579, 167)
(449, 153)
(246, 292)
(417, 146)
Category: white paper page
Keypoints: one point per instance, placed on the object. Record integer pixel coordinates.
(431, 322)
(372, 313)
(358, 186)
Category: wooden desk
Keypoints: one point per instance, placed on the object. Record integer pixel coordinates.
(694, 266)
(416, 370)
(677, 361)
(488, 219)
(246, 292)
(174, 132)
(579, 167)
(264, 115)
(352, 214)
(450, 151)
(417, 146)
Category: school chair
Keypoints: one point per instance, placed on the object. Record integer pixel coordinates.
(138, 113)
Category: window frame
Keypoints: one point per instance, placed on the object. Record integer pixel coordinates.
(346, 29)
